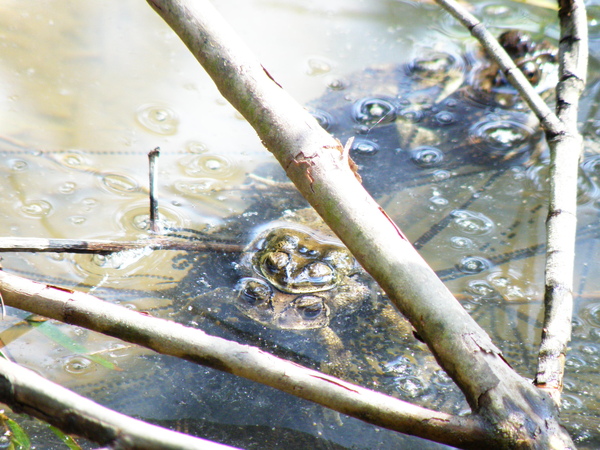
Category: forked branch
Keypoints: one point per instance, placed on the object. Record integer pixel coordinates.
(315, 162)
(565, 144)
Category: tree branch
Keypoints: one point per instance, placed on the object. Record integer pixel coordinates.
(561, 224)
(25, 391)
(548, 120)
(318, 166)
(566, 146)
(194, 345)
(104, 247)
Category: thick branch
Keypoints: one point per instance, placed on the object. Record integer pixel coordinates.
(317, 164)
(26, 391)
(170, 338)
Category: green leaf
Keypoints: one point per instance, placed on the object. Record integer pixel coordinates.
(52, 332)
(67, 440)
(19, 439)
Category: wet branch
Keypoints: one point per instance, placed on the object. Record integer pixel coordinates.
(319, 167)
(25, 391)
(194, 345)
(565, 144)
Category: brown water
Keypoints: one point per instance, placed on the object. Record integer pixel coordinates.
(89, 88)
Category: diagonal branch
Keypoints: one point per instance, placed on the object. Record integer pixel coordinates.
(548, 120)
(24, 390)
(170, 338)
(318, 166)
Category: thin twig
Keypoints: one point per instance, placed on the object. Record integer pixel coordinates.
(548, 120)
(101, 247)
(24, 390)
(171, 338)
(152, 163)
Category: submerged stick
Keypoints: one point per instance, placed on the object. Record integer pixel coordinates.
(102, 247)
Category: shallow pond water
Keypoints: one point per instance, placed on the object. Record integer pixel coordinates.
(90, 88)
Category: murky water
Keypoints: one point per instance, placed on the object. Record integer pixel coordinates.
(89, 88)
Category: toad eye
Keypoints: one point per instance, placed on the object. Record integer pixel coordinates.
(254, 292)
(276, 262)
(531, 72)
(320, 273)
(310, 306)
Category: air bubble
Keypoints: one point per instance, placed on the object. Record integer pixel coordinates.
(481, 289)
(591, 314)
(411, 115)
(73, 160)
(120, 184)
(325, 120)
(18, 165)
(198, 187)
(439, 202)
(6, 439)
(77, 220)
(78, 365)
(36, 209)
(196, 147)
(364, 147)
(472, 223)
(337, 84)
(461, 243)
(374, 111)
(473, 265)
(501, 139)
(426, 157)
(209, 165)
(158, 119)
(67, 187)
(444, 118)
(441, 175)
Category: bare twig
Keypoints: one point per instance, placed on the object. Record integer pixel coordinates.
(106, 247)
(152, 163)
(170, 338)
(26, 391)
(316, 164)
(548, 120)
(561, 225)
